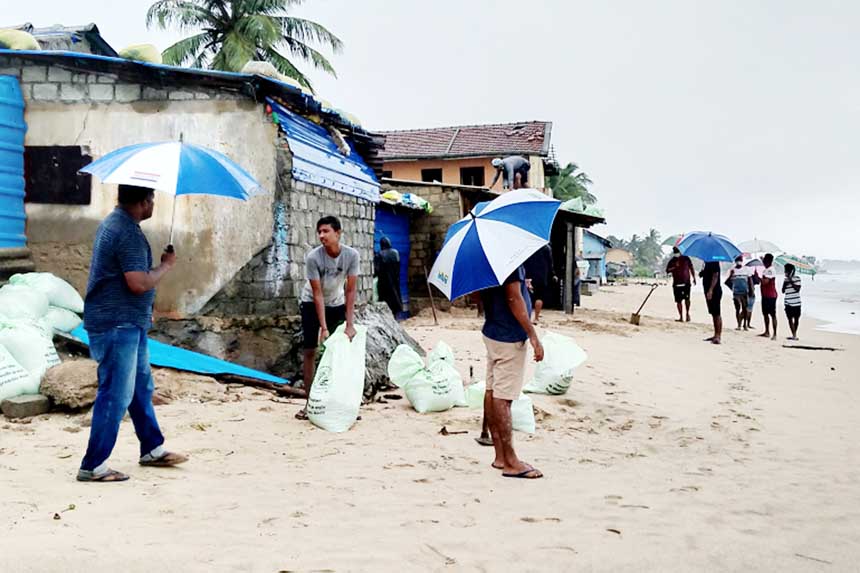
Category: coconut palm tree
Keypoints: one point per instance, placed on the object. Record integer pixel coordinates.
(571, 183)
(230, 33)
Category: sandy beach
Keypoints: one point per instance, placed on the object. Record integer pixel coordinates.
(667, 454)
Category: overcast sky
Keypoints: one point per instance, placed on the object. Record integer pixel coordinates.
(737, 116)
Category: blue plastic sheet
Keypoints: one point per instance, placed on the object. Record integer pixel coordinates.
(166, 356)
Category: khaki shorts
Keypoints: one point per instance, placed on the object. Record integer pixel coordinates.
(506, 363)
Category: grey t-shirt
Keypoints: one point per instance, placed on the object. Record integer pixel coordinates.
(331, 272)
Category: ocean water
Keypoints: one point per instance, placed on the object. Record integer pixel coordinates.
(834, 298)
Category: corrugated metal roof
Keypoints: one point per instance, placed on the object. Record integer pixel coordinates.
(318, 160)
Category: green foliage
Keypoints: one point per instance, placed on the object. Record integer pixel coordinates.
(230, 33)
(647, 251)
(571, 183)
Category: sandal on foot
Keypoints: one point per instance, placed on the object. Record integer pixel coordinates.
(302, 414)
(169, 459)
(530, 473)
(484, 441)
(106, 477)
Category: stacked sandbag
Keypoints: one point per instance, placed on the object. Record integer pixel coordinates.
(554, 374)
(338, 385)
(31, 347)
(435, 387)
(18, 40)
(64, 302)
(141, 53)
(522, 409)
(14, 379)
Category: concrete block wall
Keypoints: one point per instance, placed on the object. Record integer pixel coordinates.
(53, 83)
(270, 284)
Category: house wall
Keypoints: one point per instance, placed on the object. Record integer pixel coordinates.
(411, 170)
(214, 237)
(619, 256)
(271, 282)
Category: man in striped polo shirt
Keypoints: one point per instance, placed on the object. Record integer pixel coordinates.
(791, 294)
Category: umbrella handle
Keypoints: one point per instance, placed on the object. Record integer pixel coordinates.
(169, 248)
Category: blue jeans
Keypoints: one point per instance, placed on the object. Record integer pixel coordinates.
(125, 383)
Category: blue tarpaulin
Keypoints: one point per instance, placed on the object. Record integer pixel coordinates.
(318, 160)
(166, 356)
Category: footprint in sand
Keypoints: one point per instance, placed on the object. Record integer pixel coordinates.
(539, 519)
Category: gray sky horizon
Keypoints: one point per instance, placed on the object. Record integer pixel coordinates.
(735, 117)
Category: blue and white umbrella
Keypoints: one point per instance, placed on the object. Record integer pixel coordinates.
(176, 168)
(709, 247)
(483, 248)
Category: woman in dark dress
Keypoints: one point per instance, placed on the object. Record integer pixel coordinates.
(387, 270)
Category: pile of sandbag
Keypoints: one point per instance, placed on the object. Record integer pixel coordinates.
(435, 387)
(522, 409)
(32, 307)
(339, 381)
(554, 374)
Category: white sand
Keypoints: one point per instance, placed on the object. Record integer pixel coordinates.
(729, 458)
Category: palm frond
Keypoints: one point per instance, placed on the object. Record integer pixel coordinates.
(305, 52)
(259, 29)
(308, 31)
(182, 14)
(235, 52)
(187, 50)
(286, 67)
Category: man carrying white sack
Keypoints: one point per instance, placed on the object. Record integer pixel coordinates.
(507, 327)
(117, 316)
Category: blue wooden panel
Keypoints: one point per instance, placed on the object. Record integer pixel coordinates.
(395, 226)
(317, 159)
(12, 131)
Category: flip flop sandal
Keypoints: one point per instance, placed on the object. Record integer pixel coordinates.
(525, 474)
(169, 459)
(302, 414)
(106, 477)
(485, 441)
(495, 467)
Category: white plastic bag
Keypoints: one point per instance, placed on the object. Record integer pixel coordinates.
(18, 301)
(435, 388)
(554, 374)
(522, 409)
(14, 379)
(30, 347)
(61, 320)
(60, 293)
(339, 382)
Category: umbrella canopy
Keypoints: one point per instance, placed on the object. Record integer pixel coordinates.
(759, 246)
(800, 265)
(708, 247)
(755, 263)
(483, 248)
(176, 168)
(672, 240)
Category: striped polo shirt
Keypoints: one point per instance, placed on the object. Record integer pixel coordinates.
(792, 291)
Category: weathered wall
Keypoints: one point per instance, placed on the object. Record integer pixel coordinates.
(214, 237)
(411, 170)
(272, 281)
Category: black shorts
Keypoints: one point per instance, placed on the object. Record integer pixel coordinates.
(768, 305)
(792, 311)
(334, 317)
(524, 174)
(715, 304)
(682, 292)
(538, 292)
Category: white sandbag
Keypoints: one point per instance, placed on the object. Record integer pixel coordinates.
(14, 379)
(339, 382)
(18, 301)
(554, 374)
(435, 388)
(441, 359)
(61, 320)
(60, 293)
(522, 409)
(142, 53)
(30, 347)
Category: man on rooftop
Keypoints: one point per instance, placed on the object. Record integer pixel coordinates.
(509, 168)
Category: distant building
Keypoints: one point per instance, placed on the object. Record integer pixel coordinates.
(594, 248)
(462, 155)
(619, 256)
(85, 39)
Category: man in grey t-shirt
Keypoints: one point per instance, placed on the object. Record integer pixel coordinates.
(328, 298)
(508, 168)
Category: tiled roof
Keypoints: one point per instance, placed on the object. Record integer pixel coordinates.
(525, 138)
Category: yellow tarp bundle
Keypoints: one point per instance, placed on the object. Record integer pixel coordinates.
(18, 40)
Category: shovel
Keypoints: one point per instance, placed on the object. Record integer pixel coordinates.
(634, 318)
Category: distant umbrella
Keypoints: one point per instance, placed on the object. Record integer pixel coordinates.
(755, 263)
(709, 247)
(759, 246)
(672, 240)
(800, 265)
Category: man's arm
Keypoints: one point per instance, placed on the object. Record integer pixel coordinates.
(351, 288)
(319, 305)
(518, 307)
(140, 282)
(692, 271)
(496, 178)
